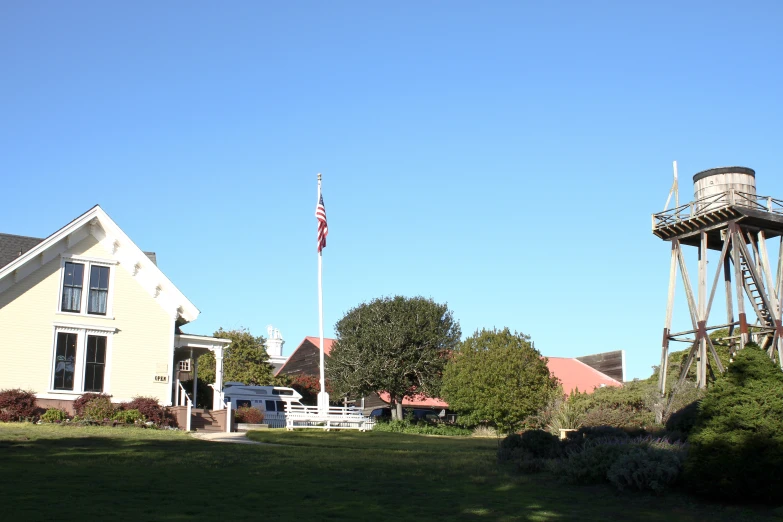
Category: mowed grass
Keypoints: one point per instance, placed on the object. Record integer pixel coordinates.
(67, 473)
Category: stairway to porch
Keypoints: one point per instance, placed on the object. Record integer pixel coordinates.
(204, 420)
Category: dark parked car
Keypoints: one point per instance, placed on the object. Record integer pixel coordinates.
(419, 414)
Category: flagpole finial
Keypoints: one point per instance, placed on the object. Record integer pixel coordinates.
(319, 176)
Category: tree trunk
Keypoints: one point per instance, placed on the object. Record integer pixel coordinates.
(398, 410)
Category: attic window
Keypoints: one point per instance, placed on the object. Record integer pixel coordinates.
(73, 298)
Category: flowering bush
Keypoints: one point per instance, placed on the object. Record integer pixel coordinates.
(17, 405)
(151, 410)
(249, 415)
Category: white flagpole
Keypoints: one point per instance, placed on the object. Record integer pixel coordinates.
(323, 396)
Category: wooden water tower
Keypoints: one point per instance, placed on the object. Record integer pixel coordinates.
(726, 215)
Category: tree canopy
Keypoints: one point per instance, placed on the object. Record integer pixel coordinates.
(496, 377)
(244, 360)
(399, 345)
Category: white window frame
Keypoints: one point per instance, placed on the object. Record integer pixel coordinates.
(88, 262)
(180, 365)
(81, 331)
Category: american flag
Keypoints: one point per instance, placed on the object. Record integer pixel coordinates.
(323, 229)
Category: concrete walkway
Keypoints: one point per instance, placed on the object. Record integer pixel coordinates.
(235, 438)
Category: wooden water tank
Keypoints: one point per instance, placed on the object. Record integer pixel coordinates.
(719, 181)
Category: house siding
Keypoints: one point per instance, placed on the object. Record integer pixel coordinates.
(140, 348)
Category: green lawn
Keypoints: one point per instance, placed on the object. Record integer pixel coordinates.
(65, 473)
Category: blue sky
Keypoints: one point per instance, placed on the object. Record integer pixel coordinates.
(501, 157)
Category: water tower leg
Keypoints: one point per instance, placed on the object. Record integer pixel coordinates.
(729, 300)
(701, 361)
(740, 291)
(668, 324)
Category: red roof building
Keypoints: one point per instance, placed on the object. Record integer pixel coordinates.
(572, 373)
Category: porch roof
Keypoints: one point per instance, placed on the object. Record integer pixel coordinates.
(203, 342)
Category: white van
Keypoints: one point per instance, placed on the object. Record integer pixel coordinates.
(271, 400)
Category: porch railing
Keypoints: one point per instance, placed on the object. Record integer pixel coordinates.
(184, 400)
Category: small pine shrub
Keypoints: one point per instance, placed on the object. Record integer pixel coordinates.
(684, 419)
(646, 467)
(151, 410)
(249, 415)
(98, 409)
(17, 405)
(54, 415)
(736, 446)
(128, 417)
(81, 402)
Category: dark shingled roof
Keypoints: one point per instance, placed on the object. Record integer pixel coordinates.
(12, 246)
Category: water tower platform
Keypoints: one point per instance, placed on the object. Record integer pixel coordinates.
(712, 214)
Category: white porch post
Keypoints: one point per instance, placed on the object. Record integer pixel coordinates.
(195, 378)
(217, 399)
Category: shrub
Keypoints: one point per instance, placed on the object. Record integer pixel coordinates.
(128, 416)
(646, 467)
(98, 409)
(151, 410)
(484, 432)
(405, 426)
(587, 434)
(81, 402)
(618, 416)
(736, 446)
(17, 405)
(540, 444)
(249, 415)
(530, 464)
(591, 464)
(54, 415)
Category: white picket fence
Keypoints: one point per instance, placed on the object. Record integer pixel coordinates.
(334, 418)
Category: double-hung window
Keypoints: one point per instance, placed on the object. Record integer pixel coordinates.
(99, 290)
(80, 360)
(73, 278)
(86, 287)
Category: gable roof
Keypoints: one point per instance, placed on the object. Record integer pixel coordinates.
(303, 359)
(12, 246)
(97, 223)
(608, 363)
(574, 374)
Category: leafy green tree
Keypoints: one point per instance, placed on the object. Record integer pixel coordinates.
(394, 344)
(496, 377)
(244, 360)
